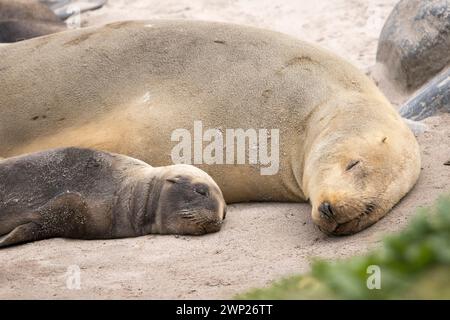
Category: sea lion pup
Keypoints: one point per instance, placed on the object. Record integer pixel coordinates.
(87, 194)
(26, 19)
(132, 87)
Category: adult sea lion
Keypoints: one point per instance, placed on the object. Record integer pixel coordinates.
(127, 87)
(88, 194)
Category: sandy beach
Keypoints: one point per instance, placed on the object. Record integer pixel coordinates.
(260, 242)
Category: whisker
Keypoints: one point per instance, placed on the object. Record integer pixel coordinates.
(370, 207)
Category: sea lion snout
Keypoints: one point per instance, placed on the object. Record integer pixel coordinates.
(326, 210)
(347, 212)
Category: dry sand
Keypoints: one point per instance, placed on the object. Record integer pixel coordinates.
(259, 242)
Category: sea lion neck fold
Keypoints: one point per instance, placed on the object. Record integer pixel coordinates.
(138, 197)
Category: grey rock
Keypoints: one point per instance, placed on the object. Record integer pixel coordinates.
(414, 44)
(431, 98)
(66, 8)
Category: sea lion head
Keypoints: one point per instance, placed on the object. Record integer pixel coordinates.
(354, 174)
(190, 202)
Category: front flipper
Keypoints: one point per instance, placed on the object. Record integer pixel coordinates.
(63, 216)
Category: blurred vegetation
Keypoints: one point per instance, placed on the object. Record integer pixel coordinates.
(414, 264)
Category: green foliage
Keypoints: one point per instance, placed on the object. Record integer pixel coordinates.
(413, 264)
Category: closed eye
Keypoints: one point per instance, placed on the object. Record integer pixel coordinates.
(352, 164)
(202, 190)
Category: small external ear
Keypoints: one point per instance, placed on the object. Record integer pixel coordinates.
(384, 140)
(178, 179)
(174, 180)
(352, 164)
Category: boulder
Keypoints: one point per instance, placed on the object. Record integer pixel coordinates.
(414, 44)
(431, 98)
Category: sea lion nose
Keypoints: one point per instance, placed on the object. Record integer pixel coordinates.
(326, 211)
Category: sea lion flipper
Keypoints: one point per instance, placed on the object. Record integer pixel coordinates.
(62, 216)
(64, 201)
(23, 233)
